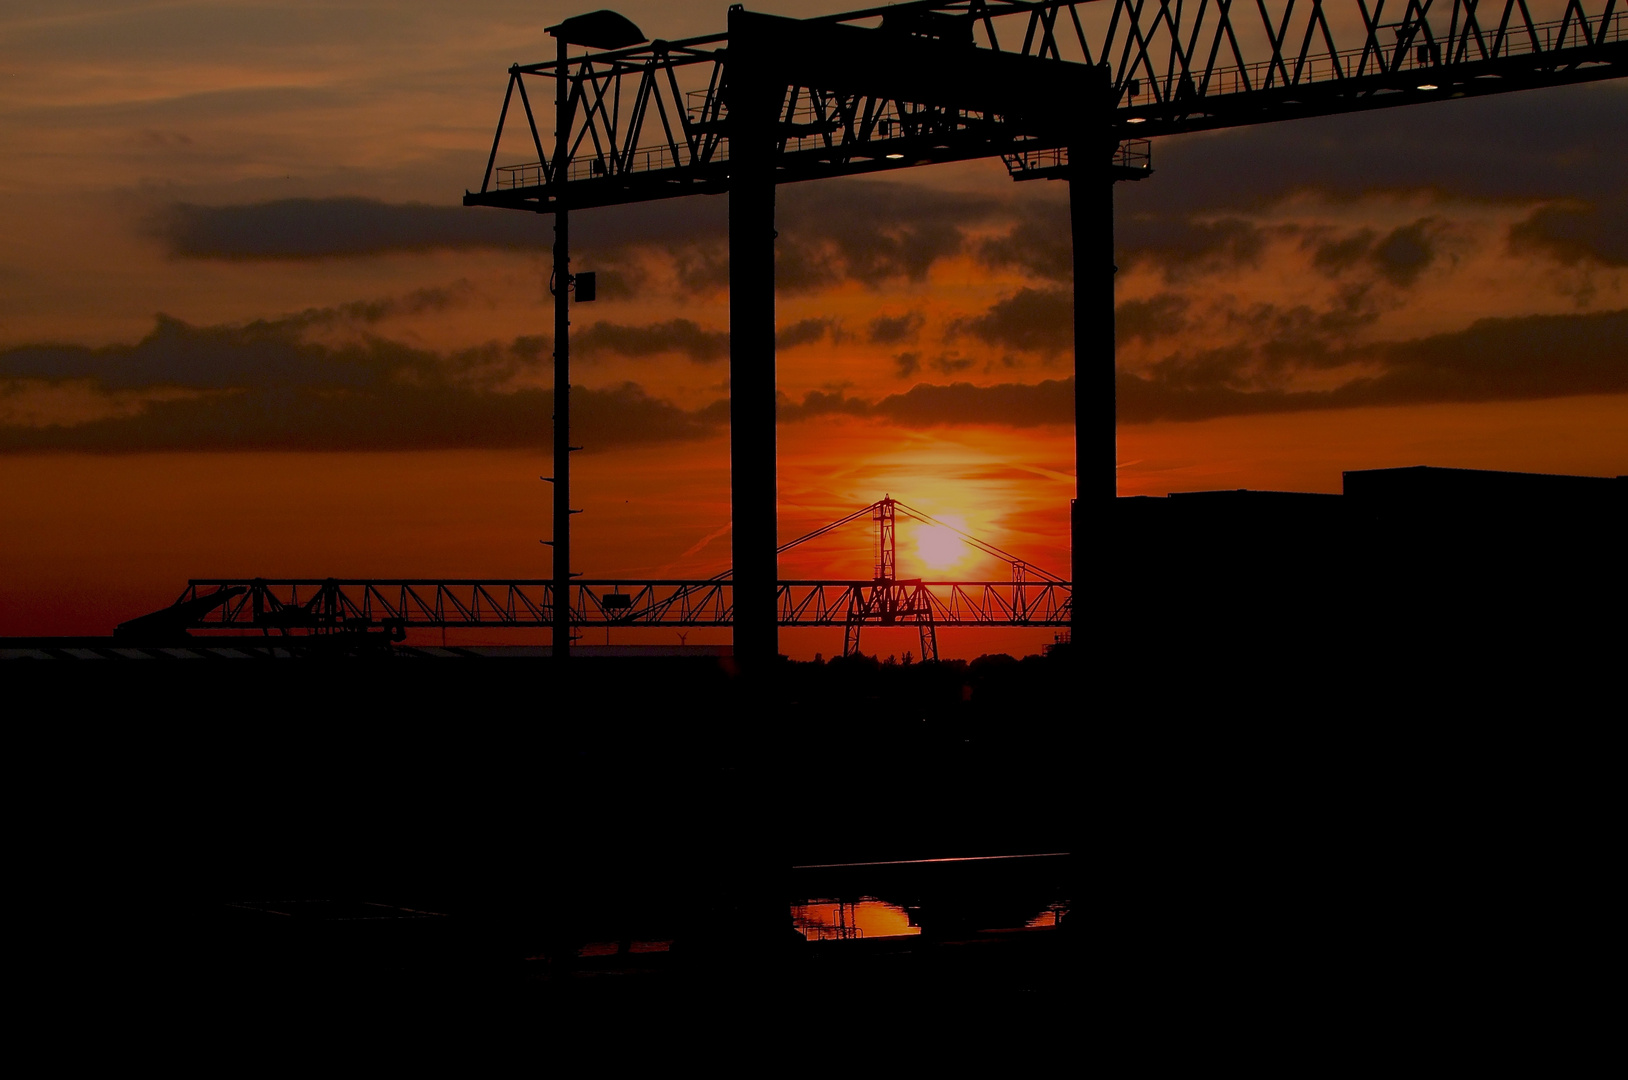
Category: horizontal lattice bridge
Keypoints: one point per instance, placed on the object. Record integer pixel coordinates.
(914, 84)
(1034, 597)
(317, 603)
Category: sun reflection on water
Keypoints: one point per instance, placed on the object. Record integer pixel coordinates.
(866, 917)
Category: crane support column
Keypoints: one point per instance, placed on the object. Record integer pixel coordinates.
(753, 107)
(1096, 450)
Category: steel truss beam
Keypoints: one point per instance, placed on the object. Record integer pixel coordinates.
(320, 605)
(653, 122)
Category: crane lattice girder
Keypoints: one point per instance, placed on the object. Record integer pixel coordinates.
(319, 604)
(936, 82)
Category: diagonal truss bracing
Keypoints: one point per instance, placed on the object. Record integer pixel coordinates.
(317, 604)
(652, 121)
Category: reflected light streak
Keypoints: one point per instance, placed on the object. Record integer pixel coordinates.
(867, 917)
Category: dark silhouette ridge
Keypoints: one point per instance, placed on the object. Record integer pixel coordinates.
(652, 807)
(1364, 739)
(1318, 738)
(1444, 566)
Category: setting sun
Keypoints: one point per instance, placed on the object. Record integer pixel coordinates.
(940, 547)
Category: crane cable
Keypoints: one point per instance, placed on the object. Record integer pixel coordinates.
(982, 545)
(924, 518)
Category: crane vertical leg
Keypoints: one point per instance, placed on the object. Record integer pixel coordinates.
(754, 497)
(1096, 450)
(929, 641)
(562, 435)
(753, 847)
(1096, 453)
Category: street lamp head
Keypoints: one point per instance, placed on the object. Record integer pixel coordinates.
(599, 30)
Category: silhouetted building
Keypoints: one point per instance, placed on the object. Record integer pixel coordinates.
(1424, 487)
(1411, 572)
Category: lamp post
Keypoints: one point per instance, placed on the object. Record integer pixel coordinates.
(595, 30)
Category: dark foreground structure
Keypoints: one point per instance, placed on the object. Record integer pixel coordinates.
(1322, 741)
(1440, 575)
(1059, 89)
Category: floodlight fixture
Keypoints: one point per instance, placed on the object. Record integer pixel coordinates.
(602, 29)
(1427, 86)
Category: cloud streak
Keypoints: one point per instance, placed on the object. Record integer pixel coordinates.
(855, 230)
(1517, 359)
(676, 336)
(338, 227)
(259, 387)
(1574, 230)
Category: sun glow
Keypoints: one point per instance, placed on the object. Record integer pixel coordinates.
(939, 547)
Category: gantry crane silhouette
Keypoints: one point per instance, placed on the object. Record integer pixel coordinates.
(1071, 91)
(306, 608)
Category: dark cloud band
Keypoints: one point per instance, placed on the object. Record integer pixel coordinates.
(260, 387)
(321, 228)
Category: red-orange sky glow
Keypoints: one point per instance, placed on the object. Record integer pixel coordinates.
(247, 329)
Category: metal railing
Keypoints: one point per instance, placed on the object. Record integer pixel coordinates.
(1410, 54)
(1168, 66)
(647, 159)
(1135, 155)
(1417, 54)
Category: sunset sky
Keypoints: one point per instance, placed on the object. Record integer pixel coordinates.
(247, 328)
